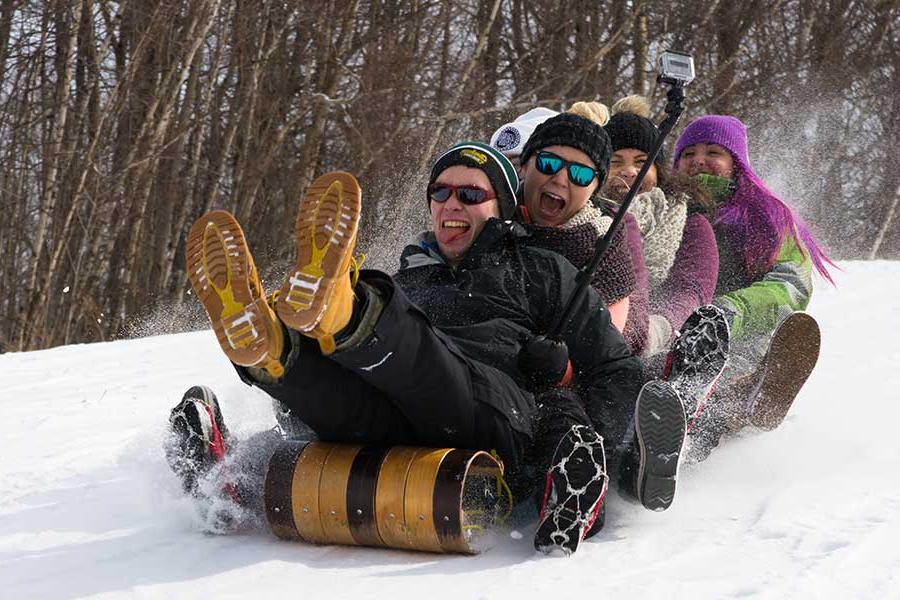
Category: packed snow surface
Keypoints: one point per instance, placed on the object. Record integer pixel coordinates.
(88, 507)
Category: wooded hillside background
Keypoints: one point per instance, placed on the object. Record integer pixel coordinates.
(123, 121)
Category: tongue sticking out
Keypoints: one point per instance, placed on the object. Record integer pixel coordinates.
(451, 231)
(551, 206)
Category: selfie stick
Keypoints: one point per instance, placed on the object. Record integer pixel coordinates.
(586, 273)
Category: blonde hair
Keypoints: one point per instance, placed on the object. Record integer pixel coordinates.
(593, 111)
(634, 104)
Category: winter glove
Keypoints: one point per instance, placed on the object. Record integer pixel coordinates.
(659, 335)
(544, 362)
(674, 96)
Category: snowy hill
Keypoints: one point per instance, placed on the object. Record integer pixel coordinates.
(88, 507)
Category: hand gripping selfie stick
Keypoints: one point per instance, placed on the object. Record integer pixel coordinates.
(676, 70)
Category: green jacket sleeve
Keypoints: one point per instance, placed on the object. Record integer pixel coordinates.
(786, 288)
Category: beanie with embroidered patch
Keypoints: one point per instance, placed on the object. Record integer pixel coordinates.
(491, 161)
(511, 138)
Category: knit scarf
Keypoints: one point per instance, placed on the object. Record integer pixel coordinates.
(661, 220)
(590, 214)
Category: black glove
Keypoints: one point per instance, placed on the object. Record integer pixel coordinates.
(544, 362)
(675, 96)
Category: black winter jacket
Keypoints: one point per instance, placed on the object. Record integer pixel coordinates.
(502, 293)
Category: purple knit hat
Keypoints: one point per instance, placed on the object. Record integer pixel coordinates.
(724, 130)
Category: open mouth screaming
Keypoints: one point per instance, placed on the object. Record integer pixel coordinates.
(552, 206)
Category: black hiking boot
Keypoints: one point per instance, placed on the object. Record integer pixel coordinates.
(697, 359)
(649, 468)
(198, 436)
(575, 487)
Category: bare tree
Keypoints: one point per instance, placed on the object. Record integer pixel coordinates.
(122, 121)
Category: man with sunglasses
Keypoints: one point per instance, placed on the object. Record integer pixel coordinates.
(481, 282)
(426, 357)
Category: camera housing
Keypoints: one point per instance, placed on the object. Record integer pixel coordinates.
(676, 68)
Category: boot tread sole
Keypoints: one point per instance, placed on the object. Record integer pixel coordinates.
(326, 236)
(792, 356)
(218, 267)
(660, 431)
(695, 374)
(558, 530)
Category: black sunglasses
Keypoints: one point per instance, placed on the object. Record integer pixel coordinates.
(467, 194)
(550, 164)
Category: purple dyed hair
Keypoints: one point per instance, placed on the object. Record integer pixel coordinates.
(757, 219)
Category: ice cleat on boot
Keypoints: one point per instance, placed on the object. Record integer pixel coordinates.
(198, 436)
(317, 296)
(697, 359)
(659, 433)
(599, 522)
(792, 355)
(575, 487)
(224, 278)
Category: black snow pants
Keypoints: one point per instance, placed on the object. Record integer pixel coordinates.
(408, 383)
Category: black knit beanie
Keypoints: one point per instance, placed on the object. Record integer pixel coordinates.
(497, 167)
(574, 131)
(628, 130)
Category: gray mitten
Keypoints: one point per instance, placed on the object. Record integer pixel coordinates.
(659, 335)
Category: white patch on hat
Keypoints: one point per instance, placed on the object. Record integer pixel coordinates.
(511, 138)
(507, 138)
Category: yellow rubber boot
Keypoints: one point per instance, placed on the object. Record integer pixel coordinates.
(317, 296)
(224, 278)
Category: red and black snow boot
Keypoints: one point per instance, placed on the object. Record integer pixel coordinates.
(573, 496)
(697, 358)
(198, 436)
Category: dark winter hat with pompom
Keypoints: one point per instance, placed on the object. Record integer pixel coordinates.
(574, 131)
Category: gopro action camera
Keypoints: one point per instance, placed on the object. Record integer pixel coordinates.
(676, 68)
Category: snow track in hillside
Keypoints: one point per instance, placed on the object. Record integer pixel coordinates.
(88, 507)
